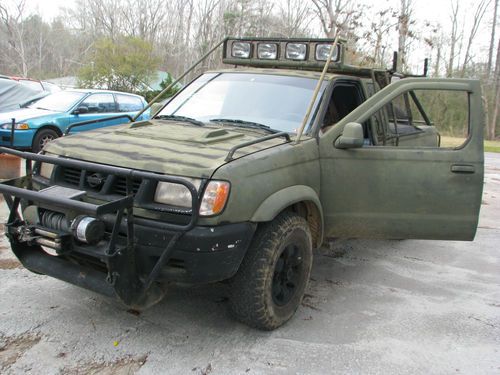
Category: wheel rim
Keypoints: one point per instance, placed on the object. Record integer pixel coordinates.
(287, 274)
(45, 139)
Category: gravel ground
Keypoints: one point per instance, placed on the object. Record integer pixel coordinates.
(372, 307)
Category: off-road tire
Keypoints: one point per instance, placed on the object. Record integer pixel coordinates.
(255, 297)
(42, 137)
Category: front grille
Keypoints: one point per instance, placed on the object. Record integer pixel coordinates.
(71, 176)
(120, 186)
(109, 185)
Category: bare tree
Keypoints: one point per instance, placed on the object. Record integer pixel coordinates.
(404, 21)
(14, 27)
(454, 36)
(492, 38)
(477, 18)
(329, 13)
(496, 102)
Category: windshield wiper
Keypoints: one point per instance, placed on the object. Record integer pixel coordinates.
(244, 124)
(180, 118)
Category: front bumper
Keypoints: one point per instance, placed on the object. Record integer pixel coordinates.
(132, 255)
(23, 139)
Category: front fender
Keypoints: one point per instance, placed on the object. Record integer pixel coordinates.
(278, 201)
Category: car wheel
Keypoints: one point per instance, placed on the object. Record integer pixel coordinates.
(270, 283)
(42, 137)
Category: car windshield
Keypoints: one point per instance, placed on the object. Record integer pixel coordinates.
(245, 99)
(60, 101)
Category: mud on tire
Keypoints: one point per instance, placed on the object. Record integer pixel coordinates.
(269, 286)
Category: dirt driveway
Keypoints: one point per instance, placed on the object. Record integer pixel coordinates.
(397, 307)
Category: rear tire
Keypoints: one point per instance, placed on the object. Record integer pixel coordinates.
(42, 137)
(270, 283)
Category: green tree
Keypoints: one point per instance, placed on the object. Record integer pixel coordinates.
(151, 94)
(124, 65)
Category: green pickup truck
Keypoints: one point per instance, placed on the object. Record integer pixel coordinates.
(247, 170)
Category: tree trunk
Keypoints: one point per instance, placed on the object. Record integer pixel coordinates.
(492, 40)
(496, 98)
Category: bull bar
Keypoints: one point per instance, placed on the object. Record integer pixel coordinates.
(122, 279)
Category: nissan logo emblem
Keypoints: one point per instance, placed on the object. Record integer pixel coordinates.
(95, 180)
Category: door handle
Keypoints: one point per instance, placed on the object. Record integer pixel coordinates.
(461, 168)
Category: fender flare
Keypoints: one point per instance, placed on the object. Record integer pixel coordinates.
(281, 199)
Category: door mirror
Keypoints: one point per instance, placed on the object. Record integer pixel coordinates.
(80, 110)
(352, 136)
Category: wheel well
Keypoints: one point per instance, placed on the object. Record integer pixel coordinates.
(51, 127)
(311, 213)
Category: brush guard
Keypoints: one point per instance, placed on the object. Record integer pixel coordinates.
(122, 278)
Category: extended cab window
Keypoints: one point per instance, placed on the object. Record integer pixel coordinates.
(423, 118)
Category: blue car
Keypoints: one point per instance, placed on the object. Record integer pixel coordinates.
(49, 117)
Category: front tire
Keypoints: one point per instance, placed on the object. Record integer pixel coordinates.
(42, 137)
(270, 283)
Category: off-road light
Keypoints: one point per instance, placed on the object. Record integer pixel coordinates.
(17, 126)
(241, 50)
(296, 51)
(175, 194)
(267, 51)
(46, 170)
(88, 229)
(214, 198)
(323, 50)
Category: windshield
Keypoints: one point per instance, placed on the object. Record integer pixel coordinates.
(279, 102)
(60, 101)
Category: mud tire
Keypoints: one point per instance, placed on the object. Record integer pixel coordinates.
(271, 281)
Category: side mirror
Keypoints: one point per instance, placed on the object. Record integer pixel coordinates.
(80, 110)
(352, 136)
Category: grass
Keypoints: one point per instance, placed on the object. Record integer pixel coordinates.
(492, 146)
(489, 146)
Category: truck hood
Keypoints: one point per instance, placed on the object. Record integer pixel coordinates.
(160, 146)
(23, 114)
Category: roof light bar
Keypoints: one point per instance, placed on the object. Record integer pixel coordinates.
(282, 52)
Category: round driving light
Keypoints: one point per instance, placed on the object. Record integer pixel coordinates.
(88, 229)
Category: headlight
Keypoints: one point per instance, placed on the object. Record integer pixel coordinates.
(323, 50)
(175, 194)
(212, 203)
(17, 126)
(46, 170)
(241, 50)
(267, 51)
(296, 51)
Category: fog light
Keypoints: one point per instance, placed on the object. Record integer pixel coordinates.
(241, 50)
(296, 51)
(88, 229)
(267, 51)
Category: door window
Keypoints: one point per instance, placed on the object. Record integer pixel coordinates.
(99, 103)
(423, 118)
(127, 103)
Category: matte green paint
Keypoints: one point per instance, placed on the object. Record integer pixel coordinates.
(385, 192)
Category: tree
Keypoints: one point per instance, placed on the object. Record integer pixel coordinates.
(492, 38)
(123, 65)
(476, 23)
(404, 22)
